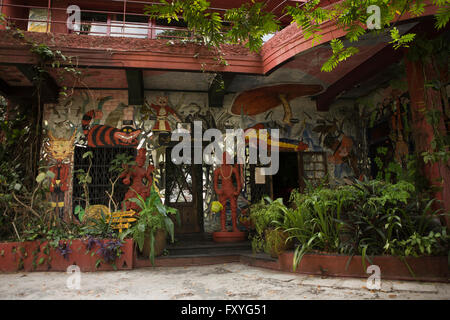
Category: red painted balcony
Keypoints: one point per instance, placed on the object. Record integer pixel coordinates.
(126, 20)
(114, 18)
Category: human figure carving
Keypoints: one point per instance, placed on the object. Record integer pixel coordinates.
(163, 112)
(137, 174)
(227, 191)
(59, 186)
(60, 152)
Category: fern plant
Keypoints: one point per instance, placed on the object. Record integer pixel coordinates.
(367, 218)
(267, 215)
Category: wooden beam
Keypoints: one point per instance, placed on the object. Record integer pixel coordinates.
(135, 86)
(5, 88)
(17, 94)
(218, 88)
(375, 64)
(49, 90)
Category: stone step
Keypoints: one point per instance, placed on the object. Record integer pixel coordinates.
(212, 248)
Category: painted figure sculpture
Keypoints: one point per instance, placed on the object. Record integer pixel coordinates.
(58, 186)
(137, 174)
(60, 152)
(163, 111)
(227, 192)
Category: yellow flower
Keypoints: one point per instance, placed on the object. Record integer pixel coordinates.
(216, 206)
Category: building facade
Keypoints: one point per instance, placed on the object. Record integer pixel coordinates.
(131, 82)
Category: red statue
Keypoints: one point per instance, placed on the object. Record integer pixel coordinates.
(227, 191)
(137, 173)
(58, 186)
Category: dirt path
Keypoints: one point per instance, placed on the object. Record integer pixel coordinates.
(226, 281)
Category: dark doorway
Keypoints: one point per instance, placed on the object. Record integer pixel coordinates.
(287, 177)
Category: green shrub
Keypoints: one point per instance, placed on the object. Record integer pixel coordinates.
(266, 216)
(367, 218)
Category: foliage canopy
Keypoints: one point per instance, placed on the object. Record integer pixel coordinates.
(249, 23)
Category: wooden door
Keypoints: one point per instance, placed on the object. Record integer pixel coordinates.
(184, 192)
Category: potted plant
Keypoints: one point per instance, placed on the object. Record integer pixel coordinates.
(153, 224)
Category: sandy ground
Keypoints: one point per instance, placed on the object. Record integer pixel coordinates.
(225, 281)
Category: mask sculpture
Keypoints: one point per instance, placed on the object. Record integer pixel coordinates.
(227, 192)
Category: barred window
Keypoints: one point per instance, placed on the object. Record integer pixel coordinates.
(314, 167)
(101, 176)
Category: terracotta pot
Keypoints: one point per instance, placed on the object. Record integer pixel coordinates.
(160, 243)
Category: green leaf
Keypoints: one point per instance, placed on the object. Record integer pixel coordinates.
(41, 177)
(139, 202)
(141, 227)
(170, 227)
(50, 174)
(88, 154)
(152, 248)
(363, 257)
(442, 17)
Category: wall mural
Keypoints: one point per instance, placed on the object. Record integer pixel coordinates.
(302, 127)
(106, 136)
(387, 119)
(261, 100)
(103, 118)
(85, 119)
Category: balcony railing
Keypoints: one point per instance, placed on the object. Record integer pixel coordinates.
(93, 22)
(128, 21)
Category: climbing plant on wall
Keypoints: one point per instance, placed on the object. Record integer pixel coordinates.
(434, 54)
(24, 176)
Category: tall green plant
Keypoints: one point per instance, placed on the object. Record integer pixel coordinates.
(367, 218)
(154, 215)
(266, 215)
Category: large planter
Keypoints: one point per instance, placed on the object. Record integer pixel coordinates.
(424, 268)
(160, 244)
(40, 256)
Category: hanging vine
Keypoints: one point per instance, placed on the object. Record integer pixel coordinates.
(22, 188)
(434, 54)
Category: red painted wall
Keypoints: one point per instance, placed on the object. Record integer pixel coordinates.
(15, 12)
(59, 16)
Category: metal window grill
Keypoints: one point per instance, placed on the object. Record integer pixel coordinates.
(314, 167)
(101, 177)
